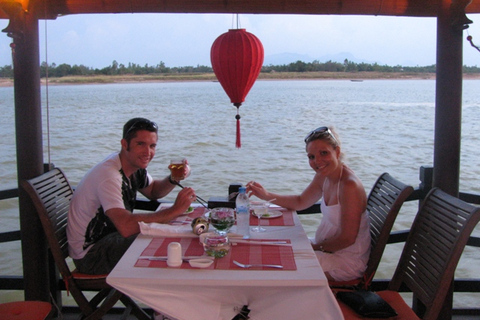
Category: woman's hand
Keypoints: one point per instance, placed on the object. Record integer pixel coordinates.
(256, 189)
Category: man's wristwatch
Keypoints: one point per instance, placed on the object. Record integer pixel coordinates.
(171, 180)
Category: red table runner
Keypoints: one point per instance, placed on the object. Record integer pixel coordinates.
(242, 252)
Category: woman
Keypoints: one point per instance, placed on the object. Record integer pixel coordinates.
(342, 241)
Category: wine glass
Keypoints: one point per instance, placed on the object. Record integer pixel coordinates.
(259, 209)
(222, 219)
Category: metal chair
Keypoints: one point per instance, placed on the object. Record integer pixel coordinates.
(51, 194)
(384, 202)
(433, 248)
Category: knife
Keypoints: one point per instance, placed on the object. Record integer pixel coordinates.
(272, 243)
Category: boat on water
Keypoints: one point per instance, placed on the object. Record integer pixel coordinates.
(24, 16)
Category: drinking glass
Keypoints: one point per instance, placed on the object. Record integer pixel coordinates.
(259, 209)
(222, 219)
(179, 169)
(215, 245)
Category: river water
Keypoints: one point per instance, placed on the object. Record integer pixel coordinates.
(384, 126)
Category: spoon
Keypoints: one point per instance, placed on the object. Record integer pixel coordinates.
(242, 265)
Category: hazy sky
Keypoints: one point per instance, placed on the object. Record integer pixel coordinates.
(185, 39)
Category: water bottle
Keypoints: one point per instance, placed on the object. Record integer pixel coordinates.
(242, 204)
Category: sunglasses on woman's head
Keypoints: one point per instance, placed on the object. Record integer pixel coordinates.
(318, 133)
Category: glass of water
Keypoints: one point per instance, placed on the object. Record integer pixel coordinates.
(259, 209)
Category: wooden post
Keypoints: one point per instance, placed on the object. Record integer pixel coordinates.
(448, 108)
(28, 125)
(448, 102)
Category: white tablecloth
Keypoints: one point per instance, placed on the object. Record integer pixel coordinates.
(191, 294)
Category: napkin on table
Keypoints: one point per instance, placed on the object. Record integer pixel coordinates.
(165, 230)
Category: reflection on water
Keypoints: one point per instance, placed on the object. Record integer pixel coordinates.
(384, 125)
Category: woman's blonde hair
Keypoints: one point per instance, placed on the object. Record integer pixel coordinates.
(328, 134)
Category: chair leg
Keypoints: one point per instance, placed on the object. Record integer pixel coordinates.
(126, 313)
(107, 304)
(99, 297)
(138, 312)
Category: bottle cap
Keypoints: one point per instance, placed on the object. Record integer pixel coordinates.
(242, 189)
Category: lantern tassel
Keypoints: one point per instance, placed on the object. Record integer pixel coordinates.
(238, 142)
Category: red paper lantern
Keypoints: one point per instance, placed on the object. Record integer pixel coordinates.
(237, 58)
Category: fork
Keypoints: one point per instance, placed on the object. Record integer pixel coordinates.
(242, 265)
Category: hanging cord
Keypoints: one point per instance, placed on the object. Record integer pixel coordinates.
(46, 89)
(469, 38)
(233, 21)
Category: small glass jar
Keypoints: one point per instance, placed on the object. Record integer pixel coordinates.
(217, 246)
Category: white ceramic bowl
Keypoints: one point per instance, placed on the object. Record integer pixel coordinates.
(200, 262)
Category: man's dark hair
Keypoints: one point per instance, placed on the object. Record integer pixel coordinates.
(133, 125)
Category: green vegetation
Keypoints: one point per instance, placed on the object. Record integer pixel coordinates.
(65, 73)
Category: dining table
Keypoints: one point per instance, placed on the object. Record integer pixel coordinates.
(296, 290)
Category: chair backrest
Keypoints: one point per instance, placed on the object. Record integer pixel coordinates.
(433, 248)
(383, 204)
(51, 194)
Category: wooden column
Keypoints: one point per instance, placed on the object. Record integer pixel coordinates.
(28, 125)
(448, 110)
(448, 102)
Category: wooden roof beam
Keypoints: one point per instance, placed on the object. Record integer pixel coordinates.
(413, 8)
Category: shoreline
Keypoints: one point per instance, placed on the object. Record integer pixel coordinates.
(354, 76)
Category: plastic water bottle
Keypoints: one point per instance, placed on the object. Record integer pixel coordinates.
(242, 203)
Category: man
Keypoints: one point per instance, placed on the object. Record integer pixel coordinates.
(101, 224)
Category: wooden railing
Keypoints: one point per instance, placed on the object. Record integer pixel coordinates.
(12, 282)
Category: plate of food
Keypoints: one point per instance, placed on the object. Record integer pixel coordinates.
(189, 210)
(272, 214)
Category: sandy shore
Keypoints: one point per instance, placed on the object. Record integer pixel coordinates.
(4, 82)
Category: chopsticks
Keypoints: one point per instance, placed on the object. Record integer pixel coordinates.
(199, 200)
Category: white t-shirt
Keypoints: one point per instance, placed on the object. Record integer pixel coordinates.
(103, 188)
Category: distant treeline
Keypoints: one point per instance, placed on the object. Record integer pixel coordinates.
(62, 70)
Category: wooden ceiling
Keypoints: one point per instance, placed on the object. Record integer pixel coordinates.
(51, 9)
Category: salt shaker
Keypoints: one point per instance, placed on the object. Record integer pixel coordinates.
(174, 254)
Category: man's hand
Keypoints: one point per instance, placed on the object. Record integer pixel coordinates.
(184, 199)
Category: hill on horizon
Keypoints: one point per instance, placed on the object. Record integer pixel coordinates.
(289, 57)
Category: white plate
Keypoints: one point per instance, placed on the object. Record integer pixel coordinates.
(272, 214)
(190, 210)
